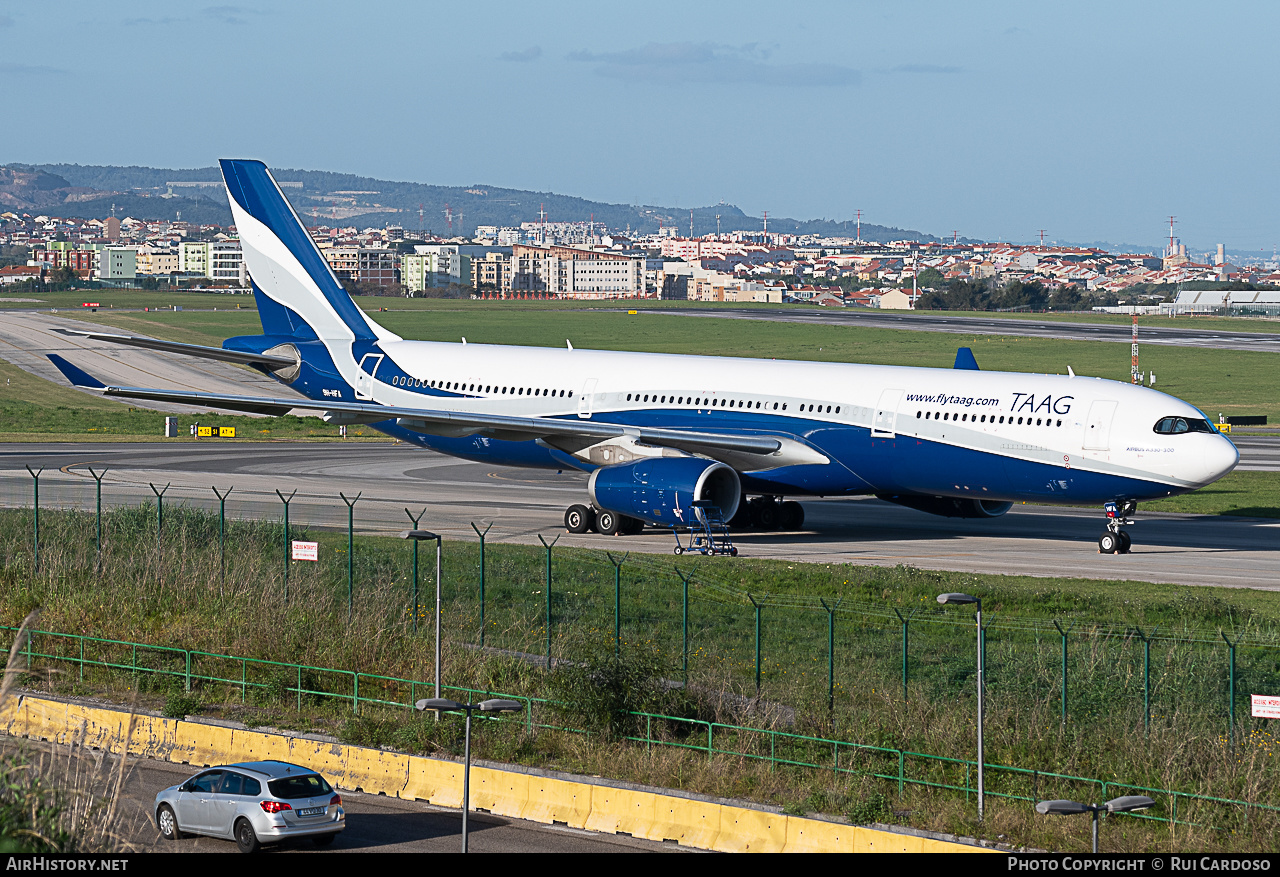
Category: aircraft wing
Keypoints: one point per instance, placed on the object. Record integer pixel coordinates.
(450, 423)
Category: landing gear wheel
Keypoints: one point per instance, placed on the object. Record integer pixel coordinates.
(765, 514)
(608, 523)
(792, 516)
(1109, 543)
(578, 519)
(1125, 543)
(632, 526)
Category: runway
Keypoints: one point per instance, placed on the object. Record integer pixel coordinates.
(520, 504)
(921, 321)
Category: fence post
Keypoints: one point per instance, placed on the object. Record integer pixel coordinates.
(286, 502)
(351, 505)
(684, 622)
(1064, 668)
(159, 509)
(481, 535)
(831, 652)
(617, 601)
(35, 532)
(97, 477)
(905, 643)
(1231, 689)
(1146, 677)
(757, 605)
(415, 566)
(222, 531)
(548, 546)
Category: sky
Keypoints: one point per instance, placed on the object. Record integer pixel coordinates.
(1093, 121)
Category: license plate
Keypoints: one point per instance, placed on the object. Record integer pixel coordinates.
(312, 811)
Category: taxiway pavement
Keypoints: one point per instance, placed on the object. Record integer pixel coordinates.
(523, 503)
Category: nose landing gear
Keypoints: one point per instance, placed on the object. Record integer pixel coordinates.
(1116, 540)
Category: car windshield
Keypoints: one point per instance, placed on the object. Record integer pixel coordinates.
(307, 786)
(1179, 425)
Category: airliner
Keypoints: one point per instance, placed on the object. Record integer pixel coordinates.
(658, 432)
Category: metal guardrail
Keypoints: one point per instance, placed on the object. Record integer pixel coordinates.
(785, 749)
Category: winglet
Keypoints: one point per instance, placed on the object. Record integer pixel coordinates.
(965, 360)
(76, 376)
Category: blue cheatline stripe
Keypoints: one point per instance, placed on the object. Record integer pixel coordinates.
(249, 183)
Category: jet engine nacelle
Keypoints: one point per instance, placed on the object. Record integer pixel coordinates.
(951, 507)
(660, 489)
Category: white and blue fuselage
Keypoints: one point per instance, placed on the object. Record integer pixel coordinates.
(857, 429)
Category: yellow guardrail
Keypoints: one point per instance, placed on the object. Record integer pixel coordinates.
(641, 813)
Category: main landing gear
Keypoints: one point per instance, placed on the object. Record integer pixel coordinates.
(1116, 540)
(767, 513)
(584, 519)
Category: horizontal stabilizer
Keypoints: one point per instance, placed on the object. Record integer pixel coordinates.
(965, 359)
(218, 353)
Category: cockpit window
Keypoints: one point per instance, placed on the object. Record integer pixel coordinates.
(1179, 425)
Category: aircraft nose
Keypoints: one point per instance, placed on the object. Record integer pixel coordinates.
(1219, 458)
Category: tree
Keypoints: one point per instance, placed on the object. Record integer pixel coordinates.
(930, 277)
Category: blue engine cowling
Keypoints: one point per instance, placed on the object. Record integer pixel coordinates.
(950, 507)
(660, 490)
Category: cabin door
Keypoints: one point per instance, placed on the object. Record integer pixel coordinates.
(885, 424)
(1097, 432)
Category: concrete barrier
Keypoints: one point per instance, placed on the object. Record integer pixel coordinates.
(693, 822)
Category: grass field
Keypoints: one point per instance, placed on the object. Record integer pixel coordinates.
(170, 591)
(129, 298)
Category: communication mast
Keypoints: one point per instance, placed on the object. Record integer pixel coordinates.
(1133, 378)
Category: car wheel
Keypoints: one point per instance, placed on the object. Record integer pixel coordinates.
(323, 840)
(246, 839)
(168, 823)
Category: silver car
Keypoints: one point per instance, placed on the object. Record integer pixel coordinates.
(254, 803)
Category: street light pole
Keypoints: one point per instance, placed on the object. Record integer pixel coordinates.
(947, 599)
(1125, 804)
(494, 706)
(418, 536)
